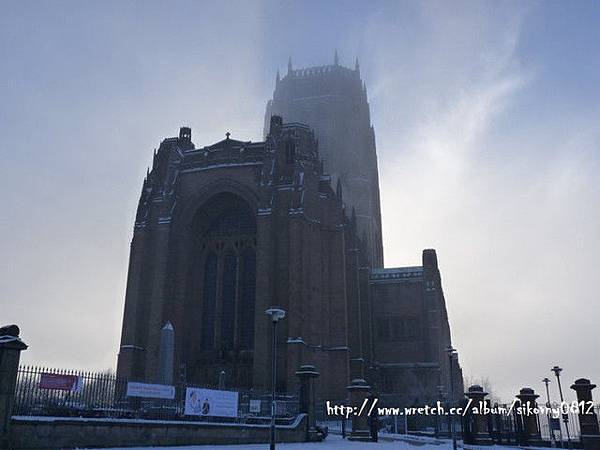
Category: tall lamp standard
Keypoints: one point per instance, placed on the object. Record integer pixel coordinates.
(276, 315)
(440, 391)
(557, 370)
(452, 353)
(546, 381)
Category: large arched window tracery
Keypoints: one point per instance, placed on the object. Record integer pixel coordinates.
(248, 297)
(229, 281)
(226, 230)
(231, 222)
(209, 301)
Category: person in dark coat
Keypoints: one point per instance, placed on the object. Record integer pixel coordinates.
(374, 422)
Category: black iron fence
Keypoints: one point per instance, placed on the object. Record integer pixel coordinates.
(43, 391)
(508, 428)
(505, 426)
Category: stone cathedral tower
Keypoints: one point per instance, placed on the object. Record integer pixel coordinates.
(332, 100)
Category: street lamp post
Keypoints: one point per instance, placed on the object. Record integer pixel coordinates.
(557, 370)
(546, 381)
(440, 391)
(276, 315)
(451, 354)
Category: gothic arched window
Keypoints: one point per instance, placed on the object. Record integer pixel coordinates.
(209, 301)
(232, 221)
(290, 152)
(228, 301)
(248, 294)
(226, 239)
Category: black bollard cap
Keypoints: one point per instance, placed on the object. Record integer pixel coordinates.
(10, 330)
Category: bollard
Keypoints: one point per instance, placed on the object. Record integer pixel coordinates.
(11, 347)
(530, 427)
(588, 420)
(477, 425)
(359, 393)
(307, 375)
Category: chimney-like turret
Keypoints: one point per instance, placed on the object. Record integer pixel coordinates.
(430, 258)
(185, 134)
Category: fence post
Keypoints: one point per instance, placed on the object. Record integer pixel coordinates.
(10, 351)
(359, 392)
(477, 430)
(307, 374)
(588, 421)
(531, 431)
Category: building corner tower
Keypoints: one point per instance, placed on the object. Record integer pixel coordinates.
(332, 100)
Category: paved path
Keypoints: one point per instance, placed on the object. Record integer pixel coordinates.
(335, 442)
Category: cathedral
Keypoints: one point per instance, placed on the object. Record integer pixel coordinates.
(225, 231)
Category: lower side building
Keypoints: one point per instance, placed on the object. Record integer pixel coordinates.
(411, 335)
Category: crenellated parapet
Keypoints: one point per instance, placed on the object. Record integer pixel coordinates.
(324, 70)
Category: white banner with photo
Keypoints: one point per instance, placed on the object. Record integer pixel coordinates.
(210, 402)
(147, 390)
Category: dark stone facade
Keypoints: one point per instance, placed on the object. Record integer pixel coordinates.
(226, 231)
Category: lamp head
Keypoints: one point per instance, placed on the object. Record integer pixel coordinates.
(557, 370)
(450, 350)
(546, 380)
(275, 313)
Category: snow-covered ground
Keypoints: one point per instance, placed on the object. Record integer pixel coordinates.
(335, 442)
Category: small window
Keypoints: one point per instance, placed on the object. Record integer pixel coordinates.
(290, 152)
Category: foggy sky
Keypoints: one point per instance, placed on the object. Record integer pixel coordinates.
(486, 119)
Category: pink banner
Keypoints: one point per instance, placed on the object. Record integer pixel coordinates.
(60, 382)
